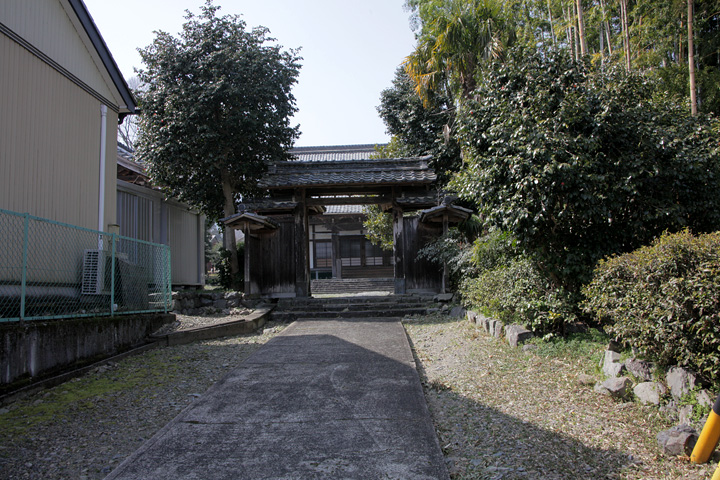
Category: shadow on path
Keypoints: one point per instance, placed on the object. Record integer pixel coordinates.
(324, 399)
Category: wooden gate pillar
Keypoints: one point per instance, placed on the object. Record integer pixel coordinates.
(247, 280)
(399, 250)
(336, 262)
(446, 272)
(302, 255)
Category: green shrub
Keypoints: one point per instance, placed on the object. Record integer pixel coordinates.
(451, 249)
(664, 299)
(580, 164)
(379, 227)
(493, 250)
(518, 292)
(225, 276)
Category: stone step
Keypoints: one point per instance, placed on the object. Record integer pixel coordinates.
(347, 286)
(356, 300)
(291, 315)
(352, 306)
(339, 307)
(290, 309)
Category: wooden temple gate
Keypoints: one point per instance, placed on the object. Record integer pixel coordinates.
(277, 227)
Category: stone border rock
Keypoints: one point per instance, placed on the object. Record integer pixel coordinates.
(678, 440)
(514, 334)
(202, 302)
(679, 383)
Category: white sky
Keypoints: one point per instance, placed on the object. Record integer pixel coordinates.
(350, 51)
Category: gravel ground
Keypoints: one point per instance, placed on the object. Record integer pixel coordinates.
(84, 428)
(502, 413)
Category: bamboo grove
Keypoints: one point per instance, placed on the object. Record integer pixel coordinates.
(674, 40)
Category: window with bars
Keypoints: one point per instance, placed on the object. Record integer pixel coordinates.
(374, 255)
(323, 254)
(351, 251)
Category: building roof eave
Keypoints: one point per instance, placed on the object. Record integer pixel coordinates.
(82, 13)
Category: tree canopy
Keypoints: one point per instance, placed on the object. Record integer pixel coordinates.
(216, 109)
(578, 126)
(645, 36)
(456, 37)
(417, 129)
(580, 165)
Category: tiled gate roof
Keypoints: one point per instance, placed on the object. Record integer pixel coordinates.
(300, 174)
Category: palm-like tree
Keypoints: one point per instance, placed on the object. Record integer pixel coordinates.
(454, 43)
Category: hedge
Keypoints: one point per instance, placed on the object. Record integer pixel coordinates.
(664, 300)
(518, 292)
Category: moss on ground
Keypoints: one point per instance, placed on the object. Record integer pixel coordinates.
(81, 393)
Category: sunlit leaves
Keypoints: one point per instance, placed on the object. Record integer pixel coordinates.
(217, 106)
(579, 165)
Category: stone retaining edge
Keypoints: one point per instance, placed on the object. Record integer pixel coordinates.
(254, 321)
(238, 327)
(69, 375)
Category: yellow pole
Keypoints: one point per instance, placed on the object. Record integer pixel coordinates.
(709, 438)
(716, 476)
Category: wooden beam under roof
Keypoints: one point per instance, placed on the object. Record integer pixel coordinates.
(348, 200)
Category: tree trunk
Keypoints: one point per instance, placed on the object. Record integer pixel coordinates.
(691, 60)
(606, 25)
(570, 22)
(626, 31)
(581, 28)
(552, 25)
(681, 48)
(576, 36)
(229, 233)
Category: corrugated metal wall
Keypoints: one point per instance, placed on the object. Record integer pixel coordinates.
(52, 27)
(137, 216)
(50, 142)
(143, 213)
(185, 239)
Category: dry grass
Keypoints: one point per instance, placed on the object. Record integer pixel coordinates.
(502, 413)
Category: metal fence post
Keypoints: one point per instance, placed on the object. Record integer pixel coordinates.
(113, 240)
(69, 277)
(26, 246)
(168, 284)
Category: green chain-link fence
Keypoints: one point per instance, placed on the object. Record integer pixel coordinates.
(55, 270)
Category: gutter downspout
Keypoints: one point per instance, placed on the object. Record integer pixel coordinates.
(103, 147)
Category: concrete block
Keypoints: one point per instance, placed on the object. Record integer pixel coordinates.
(443, 297)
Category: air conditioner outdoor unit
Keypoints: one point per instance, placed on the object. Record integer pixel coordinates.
(94, 277)
(93, 272)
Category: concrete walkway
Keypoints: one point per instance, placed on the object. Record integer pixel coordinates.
(330, 399)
